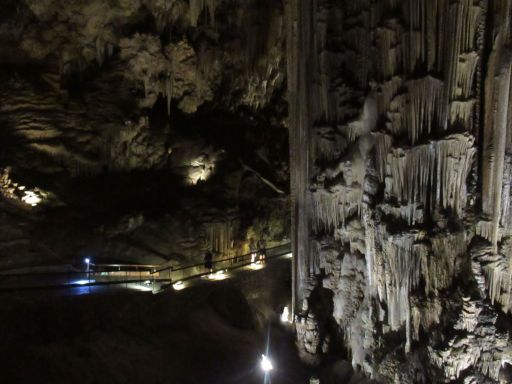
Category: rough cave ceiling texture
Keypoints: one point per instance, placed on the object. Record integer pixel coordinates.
(402, 204)
(105, 105)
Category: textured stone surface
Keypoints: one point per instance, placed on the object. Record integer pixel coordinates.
(401, 205)
(118, 115)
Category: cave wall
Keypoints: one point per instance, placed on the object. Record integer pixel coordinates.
(400, 166)
(123, 126)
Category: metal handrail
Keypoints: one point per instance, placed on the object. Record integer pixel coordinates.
(148, 266)
(238, 266)
(148, 274)
(71, 285)
(217, 261)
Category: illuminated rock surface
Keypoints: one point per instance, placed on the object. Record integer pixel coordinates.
(149, 131)
(408, 101)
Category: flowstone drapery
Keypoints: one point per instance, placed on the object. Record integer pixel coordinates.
(401, 147)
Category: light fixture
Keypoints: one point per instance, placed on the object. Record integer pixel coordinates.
(256, 265)
(31, 198)
(285, 315)
(219, 275)
(266, 364)
(87, 260)
(83, 282)
(178, 286)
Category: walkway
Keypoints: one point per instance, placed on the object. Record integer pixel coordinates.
(101, 279)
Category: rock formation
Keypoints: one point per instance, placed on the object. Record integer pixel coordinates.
(144, 131)
(399, 141)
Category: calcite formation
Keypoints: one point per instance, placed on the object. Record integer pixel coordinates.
(137, 111)
(400, 165)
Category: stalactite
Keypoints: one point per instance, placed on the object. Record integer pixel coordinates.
(383, 144)
(461, 26)
(329, 143)
(439, 267)
(462, 112)
(425, 109)
(412, 43)
(169, 80)
(100, 50)
(332, 208)
(506, 195)
(466, 74)
(426, 60)
(412, 214)
(425, 314)
(441, 167)
(386, 92)
(221, 237)
(197, 7)
(495, 133)
(398, 273)
(388, 51)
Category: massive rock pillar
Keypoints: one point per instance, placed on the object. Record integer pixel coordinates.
(400, 121)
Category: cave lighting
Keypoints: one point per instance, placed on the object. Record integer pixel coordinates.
(266, 364)
(178, 286)
(256, 265)
(201, 170)
(31, 198)
(285, 315)
(140, 287)
(219, 275)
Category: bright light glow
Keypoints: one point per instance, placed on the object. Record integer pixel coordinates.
(266, 364)
(288, 255)
(31, 198)
(256, 265)
(83, 282)
(140, 287)
(178, 286)
(285, 316)
(219, 275)
(147, 282)
(87, 260)
(201, 169)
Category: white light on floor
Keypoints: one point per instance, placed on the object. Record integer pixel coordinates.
(31, 198)
(219, 275)
(138, 287)
(285, 315)
(178, 286)
(256, 265)
(83, 282)
(266, 364)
